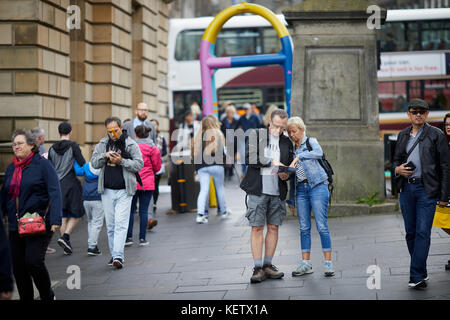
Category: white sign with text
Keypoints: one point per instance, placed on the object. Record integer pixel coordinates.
(402, 64)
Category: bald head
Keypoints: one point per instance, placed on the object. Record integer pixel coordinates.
(142, 111)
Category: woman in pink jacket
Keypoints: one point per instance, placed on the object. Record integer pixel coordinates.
(152, 164)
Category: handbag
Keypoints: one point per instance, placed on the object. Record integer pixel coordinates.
(31, 225)
(442, 217)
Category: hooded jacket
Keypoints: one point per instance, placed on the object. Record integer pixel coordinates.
(152, 164)
(63, 154)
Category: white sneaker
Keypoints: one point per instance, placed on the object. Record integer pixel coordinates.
(201, 219)
(303, 268)
(225, 214)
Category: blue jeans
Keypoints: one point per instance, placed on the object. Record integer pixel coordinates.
(316, 199)
(418, 213)
(117, 205)
(204, 175)
(144, 200)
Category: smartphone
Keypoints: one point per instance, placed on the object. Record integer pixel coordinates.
(411, 166)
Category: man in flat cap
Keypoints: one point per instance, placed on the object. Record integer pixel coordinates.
(422, 173)
(63, 155)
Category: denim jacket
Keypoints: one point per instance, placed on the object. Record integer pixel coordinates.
(315, 174)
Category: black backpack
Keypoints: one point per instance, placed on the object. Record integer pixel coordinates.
(326, 166)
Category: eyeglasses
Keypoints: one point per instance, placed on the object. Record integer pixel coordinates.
(144, 110)
(414, 112)
(447, 125)
(17, 144)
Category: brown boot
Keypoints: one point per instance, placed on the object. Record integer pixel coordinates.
(258, 275)
(151, 223)
(272, 272)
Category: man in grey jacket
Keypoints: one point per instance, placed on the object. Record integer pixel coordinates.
(141, 112)
(119, 159)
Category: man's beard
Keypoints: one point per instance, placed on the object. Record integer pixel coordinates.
(142, 118)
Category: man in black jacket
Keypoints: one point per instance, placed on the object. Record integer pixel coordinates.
(423, 178)
(266, 188)
(6, 280)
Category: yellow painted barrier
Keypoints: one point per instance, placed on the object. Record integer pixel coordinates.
(212, 194)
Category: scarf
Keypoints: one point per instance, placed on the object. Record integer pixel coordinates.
(119, 145)
(14, 186)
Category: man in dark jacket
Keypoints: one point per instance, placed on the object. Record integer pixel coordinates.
(63, 155)
(266, 188)
(423, 178)
(6, 280)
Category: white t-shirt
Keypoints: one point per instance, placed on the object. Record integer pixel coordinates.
(270, 175)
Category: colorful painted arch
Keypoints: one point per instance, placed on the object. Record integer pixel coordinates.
(209, 63)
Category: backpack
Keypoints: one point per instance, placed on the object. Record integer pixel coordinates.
(326, 166)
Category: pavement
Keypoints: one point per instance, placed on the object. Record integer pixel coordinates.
(188, 261)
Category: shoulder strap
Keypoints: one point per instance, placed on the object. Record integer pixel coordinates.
(308, 145)
(17, 209)
(412, 148)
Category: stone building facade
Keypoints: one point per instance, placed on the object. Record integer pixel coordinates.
(50, 73)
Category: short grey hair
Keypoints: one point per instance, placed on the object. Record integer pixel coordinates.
(297, 121)
(37, 132)
(30, 139)
(279, 112)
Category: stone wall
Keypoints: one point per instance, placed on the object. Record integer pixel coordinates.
(49, 73)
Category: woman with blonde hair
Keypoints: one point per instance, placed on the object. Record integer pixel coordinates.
(309, 190)
(207, 151)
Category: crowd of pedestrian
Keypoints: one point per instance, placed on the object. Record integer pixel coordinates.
(281, 165)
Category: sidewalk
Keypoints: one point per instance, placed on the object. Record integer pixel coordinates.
(200, 262)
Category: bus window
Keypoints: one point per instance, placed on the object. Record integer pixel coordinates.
(182, 101)
(271, 41)
(412, 36)
(435, 35)
(188, 45)
(392, 96)
(437, 94)
(392, 37)
(242, 42)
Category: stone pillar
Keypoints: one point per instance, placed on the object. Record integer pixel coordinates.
(34, 68)
(149, 59)
(335, 92)
(108, 63)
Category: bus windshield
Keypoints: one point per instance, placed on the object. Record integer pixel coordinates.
(230, 42)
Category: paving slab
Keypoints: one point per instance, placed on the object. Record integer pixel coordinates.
(188, 261)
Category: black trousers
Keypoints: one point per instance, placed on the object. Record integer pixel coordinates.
(156, 192)
(28, 255)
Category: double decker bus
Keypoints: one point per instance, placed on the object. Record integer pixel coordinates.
(415, 63)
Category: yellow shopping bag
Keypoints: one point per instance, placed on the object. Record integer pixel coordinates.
(442, 217)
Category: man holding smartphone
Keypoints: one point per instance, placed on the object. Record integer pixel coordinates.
(119, 159)
(423, 177)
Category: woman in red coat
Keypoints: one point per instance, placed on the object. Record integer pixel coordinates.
(152, 164)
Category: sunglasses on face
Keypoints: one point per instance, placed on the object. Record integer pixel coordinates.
(421, 112)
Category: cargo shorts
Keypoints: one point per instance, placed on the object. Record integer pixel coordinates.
(265, 208)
